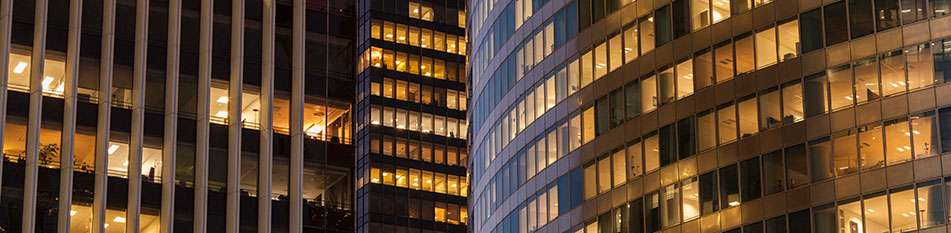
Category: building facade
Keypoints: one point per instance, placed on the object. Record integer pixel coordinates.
(177, 116)
(593, 116)
(411, 124)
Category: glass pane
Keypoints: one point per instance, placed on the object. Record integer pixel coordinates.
(765, 48)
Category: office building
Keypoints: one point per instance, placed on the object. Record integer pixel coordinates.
(123, 116)
(410, 120)
(593, 116)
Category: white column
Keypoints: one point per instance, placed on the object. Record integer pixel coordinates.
(266, 149)
(297, 119)
(169, 141)
(6, 16)
(33, 125)
(202, 123)
(234, 117)
(70, 81)
(105, 116)
(134, 201)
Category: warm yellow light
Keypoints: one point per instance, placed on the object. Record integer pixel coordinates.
(223, 100)
(113, 148)
(20, 67)
(221, 114)
(119, 219)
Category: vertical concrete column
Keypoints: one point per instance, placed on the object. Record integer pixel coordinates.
(169, 142)
(70, 82)
(202, 123)
(266, 150)
(297, 118)
(104, 117)
(35, 117)
(134, 199)
(234, 117)
(6, 17)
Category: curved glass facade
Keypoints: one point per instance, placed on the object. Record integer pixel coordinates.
(591, 116)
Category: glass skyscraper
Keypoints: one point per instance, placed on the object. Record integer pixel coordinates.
(594, 116)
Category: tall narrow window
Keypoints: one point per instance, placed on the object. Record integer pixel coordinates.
(748, 116)
(750, 179)
(634, 158)
(893, 73)
(886, 14)
(670, 205)
(815, 90)
(861, 18)
(616, 51)
(792, 103)
(744, 54)
(600, 60)
(703, 69)
(920, 66)
(729, 186)
(811, 30)
(821, 159)
(604, 174)
(651, 153)
(789, 46)
(590, 181)
(721, 10)
(631, 102)
(765, 47)
(770, 110)
(648, 94)
(647, 33)
(924, 134)
(685, 78)
(619, 167)
(914, 10)
(836, 29)
(707, 130)
(667, 88)
(709, 202)
(700, 14)
(724, 61)
(797, 169)
(898, 199)
(630, 42)
(845, 154)
(897, 141)
(866, 80)
(691, 201)
(686, 138)
(840, 87)
(617, 107)
(727, 123)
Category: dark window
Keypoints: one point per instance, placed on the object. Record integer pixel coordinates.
(652, 212)
(940, 7)
(636, 216)
(942, 61)
(815, 89)
(584, 14)
(799, 221)
(602, 115)
(564, 194)
(860, 17)
(571, 16)
(913, 10)
(773, 172)
(708, 193)
(597, 10)
(753, 228)
(886, 14)
(944, 118)
(750, 179)
(576, 187)
(837, 30)
(681, 16)
(686, 135)
(605, 223)
(632, 101)
(797, 170)
(810, 26)
(667, 143)
(662, 26)
(560, 28)
(739, 6)
(820, 156)
(729, 187)
(824, 217)
(776, 225)
(620, 218)
(617, 107)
